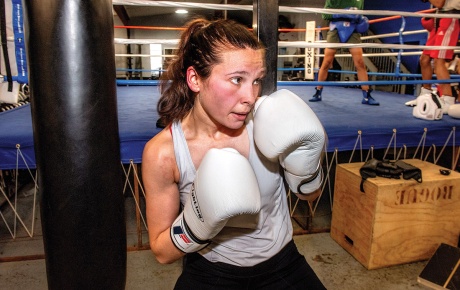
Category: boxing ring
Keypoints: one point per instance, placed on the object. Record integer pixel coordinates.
(348, 124)
(351, 127)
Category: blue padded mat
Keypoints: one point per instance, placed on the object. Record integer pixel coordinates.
(343, 115)
(137, 118)
(340, 111)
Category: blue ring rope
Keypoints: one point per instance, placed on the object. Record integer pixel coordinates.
(408, 75)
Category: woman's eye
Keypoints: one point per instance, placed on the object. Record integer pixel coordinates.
(257, 82)
(236, 80)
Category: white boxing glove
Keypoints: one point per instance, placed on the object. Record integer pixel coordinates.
(287, 129)
(225, 186)
(454, 111)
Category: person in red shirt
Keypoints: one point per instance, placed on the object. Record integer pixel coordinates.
(442, 32)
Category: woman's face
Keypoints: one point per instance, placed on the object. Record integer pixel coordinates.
(230, 92)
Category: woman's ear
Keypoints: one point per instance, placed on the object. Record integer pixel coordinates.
(193, 79)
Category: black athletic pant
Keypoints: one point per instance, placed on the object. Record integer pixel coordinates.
(287, 270)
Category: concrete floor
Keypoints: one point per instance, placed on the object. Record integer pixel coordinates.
(334, 266)
(25, 266)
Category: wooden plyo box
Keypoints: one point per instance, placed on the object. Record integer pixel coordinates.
(395, 221)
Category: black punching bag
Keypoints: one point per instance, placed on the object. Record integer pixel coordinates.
(74, 112)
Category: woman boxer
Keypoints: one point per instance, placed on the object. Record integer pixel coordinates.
(211, 196)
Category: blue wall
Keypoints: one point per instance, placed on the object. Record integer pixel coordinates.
(412, 23)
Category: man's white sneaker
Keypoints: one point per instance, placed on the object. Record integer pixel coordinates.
(454, 111)
(446, 102)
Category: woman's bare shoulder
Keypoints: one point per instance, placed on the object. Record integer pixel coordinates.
(158, 155)
(159, 146)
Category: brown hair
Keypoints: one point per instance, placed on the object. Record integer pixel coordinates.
(200, 46)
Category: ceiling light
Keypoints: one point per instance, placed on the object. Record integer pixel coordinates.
(181, 11)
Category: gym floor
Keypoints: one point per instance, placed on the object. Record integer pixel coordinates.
(22, 263)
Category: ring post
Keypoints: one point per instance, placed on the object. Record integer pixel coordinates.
(74, 113)
(265, 24)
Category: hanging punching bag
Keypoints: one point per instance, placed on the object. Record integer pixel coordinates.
(74, 112)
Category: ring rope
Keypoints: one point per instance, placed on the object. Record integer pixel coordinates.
(279, 30)
(401, 46)
(149, 27)
(363, 83)
(364, 45)
(280, 8)
(385, 35)
(402, 75)
(304, 44)
(398, 16)
(144, 55)
(182, 5)
(408, 75)
(412, 53)
(139, 70)
(382, 19)
(314, 83)
(365, 12)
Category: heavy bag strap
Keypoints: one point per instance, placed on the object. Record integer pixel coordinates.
(368, 170)
(361, 185)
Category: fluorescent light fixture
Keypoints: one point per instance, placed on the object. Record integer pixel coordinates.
(181, 11)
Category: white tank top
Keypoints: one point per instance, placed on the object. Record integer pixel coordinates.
(238, 246)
